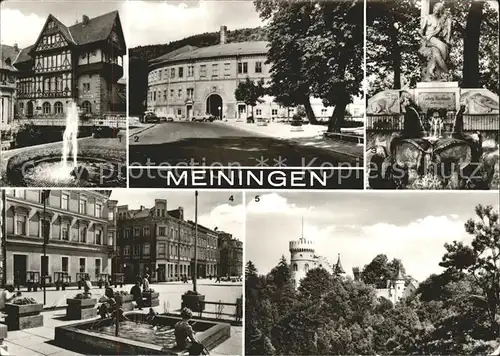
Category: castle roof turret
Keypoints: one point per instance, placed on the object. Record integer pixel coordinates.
(399, 276)
(338, 267)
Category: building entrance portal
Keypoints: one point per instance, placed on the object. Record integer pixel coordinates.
(214, 105)
(29, 111)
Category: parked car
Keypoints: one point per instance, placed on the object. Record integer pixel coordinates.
(151, 118)
(211, 118)
(170, 119)
(198, 119)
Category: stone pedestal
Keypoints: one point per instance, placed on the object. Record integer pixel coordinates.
(194, 302)
(151, 299)
(127, 304)
(3, 336)
(437, 96)
(79, 309)
(21, 317)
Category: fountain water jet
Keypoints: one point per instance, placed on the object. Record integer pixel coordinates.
(70, 142)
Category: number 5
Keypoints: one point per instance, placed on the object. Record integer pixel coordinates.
(257, 198)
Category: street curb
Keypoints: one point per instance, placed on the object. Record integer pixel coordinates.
(141, 131)
(291, 139)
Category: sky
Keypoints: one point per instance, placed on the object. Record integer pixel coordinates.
(21, 21)
(215, 209)
(411, 226)
(158, 22)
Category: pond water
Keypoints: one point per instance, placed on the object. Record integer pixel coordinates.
(164, 336)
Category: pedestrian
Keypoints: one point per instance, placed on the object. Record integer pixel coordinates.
(184, 335)
(6, 296)
(145, 283)
(87, 285)
(137, 293)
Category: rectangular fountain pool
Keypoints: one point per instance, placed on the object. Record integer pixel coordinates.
(136, 337)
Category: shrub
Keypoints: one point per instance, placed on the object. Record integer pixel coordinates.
(24, 301)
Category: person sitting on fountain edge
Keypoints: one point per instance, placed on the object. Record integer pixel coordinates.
(184, 335)
(137, 293)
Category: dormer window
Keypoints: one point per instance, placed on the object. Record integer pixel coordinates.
(8, 61)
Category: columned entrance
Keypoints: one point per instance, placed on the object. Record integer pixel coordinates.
(214, 105)
(189, 112)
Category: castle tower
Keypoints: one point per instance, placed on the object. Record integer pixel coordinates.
(302, 258)
(338, 267)
(399, 286)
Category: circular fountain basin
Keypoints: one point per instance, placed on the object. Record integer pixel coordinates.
(51, 172)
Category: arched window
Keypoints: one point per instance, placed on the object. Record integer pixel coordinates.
(58, 107)
(306, 267)
(295, 267)
(46, 107)
(87, 107)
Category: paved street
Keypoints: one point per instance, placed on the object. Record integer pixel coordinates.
(206, 143)
(38, 341)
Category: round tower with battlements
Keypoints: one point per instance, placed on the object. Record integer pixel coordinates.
(302, 259)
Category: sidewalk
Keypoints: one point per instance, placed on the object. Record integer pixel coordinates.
(312, 135)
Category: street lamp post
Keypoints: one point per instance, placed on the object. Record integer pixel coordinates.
(195, 276)
(46, 230)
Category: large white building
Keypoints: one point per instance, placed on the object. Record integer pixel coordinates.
(303, 258)
(192, 82)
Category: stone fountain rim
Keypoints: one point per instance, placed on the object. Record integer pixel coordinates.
(74, 328)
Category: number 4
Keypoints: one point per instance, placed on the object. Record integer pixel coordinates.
(231, 198)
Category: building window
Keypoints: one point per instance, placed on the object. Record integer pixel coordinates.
(258, 67)
(64, 264)
(180, 93)
(179, 112)
(58, 107)
(274, 112)
(323, 112)
(190, 71)
(86, 87)
(46, 107)
(65, 231)
(154, 95)
(98, 237)
(162, 231)
(111, 215)
(146, 231)
(165, 94)
(242, 68)
(21, 107)
(65, 201)
(181, 72)
(20, 193)
(190, 93)
(146, 249)
(203, 71)
(82, 207)
(21, 224)
(97, 267)
(137, 250)
(137, 231)
(161, 250)
(306, 267)
(126, 250)
(215, 70)
(98, 210)
(172, 73)
(171, 93)
(87, 107)
(83, 235)
(227, 69)
(258, 112)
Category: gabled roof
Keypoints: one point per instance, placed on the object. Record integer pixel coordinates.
(8, 56)
(400, 276)
(223, 50)
(173, 53)
(97, 29)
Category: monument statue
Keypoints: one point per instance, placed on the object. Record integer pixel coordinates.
(436, 36)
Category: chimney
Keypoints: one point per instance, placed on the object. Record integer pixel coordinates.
(223, 34)
(142, 207)
(16, 47)
(85, 20)
(181, 213)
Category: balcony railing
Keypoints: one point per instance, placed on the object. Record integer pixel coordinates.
(106, 120)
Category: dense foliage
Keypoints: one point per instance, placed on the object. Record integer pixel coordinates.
(139, 57)
(393, 40)
(454, 312)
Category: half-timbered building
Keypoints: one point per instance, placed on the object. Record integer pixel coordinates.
(80, 63)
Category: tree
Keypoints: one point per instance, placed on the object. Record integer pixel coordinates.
(380, 270)
(316, 50)
(316, 283)
(250, 92)
(481, 260)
